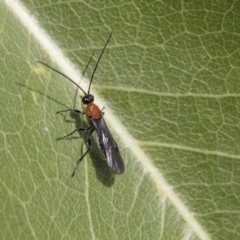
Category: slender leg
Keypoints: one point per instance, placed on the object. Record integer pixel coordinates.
(68, 110)
(89, 147)
(77, 129)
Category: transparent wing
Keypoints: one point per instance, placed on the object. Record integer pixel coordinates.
(109, 146)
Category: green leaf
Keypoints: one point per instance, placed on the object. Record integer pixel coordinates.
(169, 81)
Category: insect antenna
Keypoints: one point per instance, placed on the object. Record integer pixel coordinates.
(99, 61)
(55, 70)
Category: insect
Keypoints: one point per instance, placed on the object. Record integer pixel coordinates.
(96, 123)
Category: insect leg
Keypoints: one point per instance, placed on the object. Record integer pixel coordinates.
(77, 129)
(89, 147)
(73, 110)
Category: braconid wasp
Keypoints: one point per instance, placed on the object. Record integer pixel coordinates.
(96, 123)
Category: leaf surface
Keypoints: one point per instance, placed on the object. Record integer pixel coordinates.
(169, 82)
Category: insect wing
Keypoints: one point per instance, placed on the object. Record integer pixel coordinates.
(109, 146)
